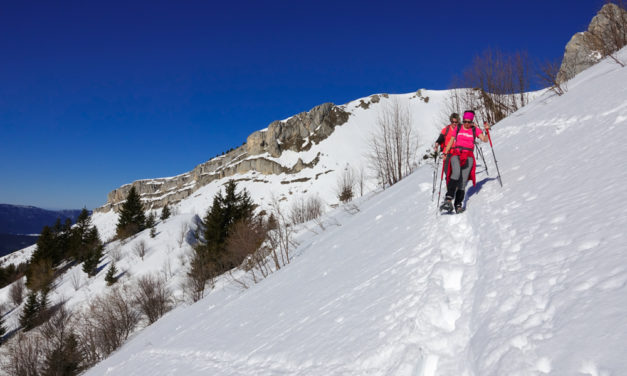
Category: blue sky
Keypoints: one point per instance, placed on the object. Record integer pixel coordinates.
(94, 95)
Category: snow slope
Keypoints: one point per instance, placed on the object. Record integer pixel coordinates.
(531, 280)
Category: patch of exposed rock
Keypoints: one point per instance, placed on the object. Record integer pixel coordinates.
(582, 51)
(297, 133)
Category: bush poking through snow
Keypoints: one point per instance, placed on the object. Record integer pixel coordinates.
(152, 297)
(107, 323)
(16, 292)
(304, 210)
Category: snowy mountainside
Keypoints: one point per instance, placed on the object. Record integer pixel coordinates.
(346, 146)
(530, 280)
(168, 254)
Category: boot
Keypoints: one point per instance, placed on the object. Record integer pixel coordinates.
(459, 200)
(447, 204)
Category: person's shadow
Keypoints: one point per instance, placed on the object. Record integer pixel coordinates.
(475, 189)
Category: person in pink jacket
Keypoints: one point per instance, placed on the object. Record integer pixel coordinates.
(462, 163)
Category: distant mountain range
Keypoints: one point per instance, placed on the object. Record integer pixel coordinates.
(19, 225)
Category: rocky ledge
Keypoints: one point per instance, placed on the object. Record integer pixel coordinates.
(298, 133)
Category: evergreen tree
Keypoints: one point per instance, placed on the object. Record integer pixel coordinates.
(165, 212)
(30, 313)
(78, 237)
(225, 211)
(110, 277)
(45, 246)
(151, 220)
(64, 360)
(132, 217)
(93, 251)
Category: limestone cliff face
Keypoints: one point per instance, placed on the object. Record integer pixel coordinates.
(581, 52)
(297, 133)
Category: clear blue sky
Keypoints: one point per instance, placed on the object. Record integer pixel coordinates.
(94, 95)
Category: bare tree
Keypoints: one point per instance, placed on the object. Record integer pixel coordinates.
(76, 279)
(115, 254)
(361, 181)
(393, 145)
(106, 324)
(16, 292)
(280, 236)
(140, 249)
(547, 73)
(182, 234)
(23, 356)
(152, 297)
(61, 351)
(494, 85)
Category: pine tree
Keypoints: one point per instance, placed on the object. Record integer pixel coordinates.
(224, 213)
(132, 217)
(151, 220)
(30, 313)
(64, 360)
(45, 246)
(110, 277)
(165, 212)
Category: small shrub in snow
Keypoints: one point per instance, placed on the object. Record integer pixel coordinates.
(16, 292)
(107, 323)
(140, 249)
(152, 297)
(346, 184)
(303, 210)
(76, 279)
(23, 356)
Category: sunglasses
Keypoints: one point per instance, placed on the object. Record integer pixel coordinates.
(467, 121)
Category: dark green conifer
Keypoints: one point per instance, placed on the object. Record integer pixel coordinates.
(151, 220)
(132, 217)
(64, 360)
(165, 212)
(30, 313)
(110, 277)
(225, 211)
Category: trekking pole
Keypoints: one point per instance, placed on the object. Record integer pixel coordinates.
(435, 174)
(494, 155)
(440, 190)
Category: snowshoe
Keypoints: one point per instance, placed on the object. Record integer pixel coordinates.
(447, 206)
(459, 210)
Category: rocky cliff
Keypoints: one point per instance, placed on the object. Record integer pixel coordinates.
(297, 133)
(584, 49)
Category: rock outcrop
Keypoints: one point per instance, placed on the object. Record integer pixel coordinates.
(297, 133)
(583, 50)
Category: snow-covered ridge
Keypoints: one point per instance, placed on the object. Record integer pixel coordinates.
(285, 147)
(531, 280)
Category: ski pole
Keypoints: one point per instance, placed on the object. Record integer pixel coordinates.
(435, 174)
(446, 159)
(494, 156)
